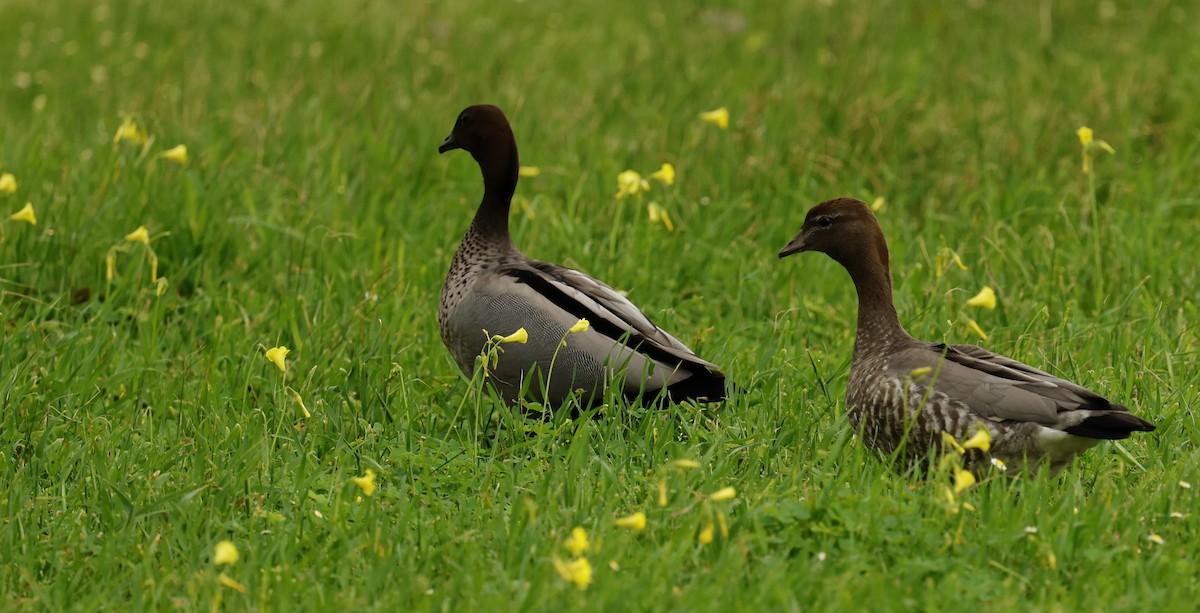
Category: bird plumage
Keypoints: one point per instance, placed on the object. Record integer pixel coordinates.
(492, 288)
(904, 393)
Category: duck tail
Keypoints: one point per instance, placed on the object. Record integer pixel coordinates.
(1111, 425)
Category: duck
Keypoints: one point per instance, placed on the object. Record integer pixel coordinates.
(904, 395)
(492, 289)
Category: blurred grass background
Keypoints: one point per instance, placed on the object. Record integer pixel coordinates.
(313, 212)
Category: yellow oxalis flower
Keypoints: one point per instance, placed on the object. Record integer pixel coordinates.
(25, 214)
(630, 183)
(635, 522)
(662, 492)
(659, 215)
(878, 203)
(1088, 144)
(723, 525)
(718, 117)
(110, 266)
(578, 571)
(963, 479)
(278, 357)
(723, 494)
(949, 441)
(520, 336)
(303, 409)
(1085, 135)
(986, 298)
(666, 174)
(529, 171)
(177, 154)
(577, 543)
(580, 326)
(8, 183)
(685, 463)
(981, 440)
(366, 482)
(917, 373)
(129, 131)
(160, 286)
(706, 535)
(230, 583)
(225, 553)
(140, 235)
(976, 329)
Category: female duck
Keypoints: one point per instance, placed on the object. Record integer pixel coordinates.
(904, 393)
(493, 289)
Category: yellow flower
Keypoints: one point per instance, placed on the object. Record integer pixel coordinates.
(723, 494)
(981, 440)
(110, 266)
(578, 571)
(976, 329)
(962, 479)
(529, 171)
(160, 286)
(1085, 135)
(718, 117)
(303, 409)
(8, 183)
(225, 553)
(666, 174)
(129, 131)
(630, 183)
(230, 583)
(986, 298)
(917, 373)
(580, 326)
(366, 482)
(635, 522)
(662, 492)
(25, 214)
(948, 440)
(520, 336)
(177, 154)
(723, 525)
(999, 464)
(140, 235)
(706, 535)
(278, 357)
(687, 464)
(878, 204)
(577, 543)
(1088, 145)
(660, 215)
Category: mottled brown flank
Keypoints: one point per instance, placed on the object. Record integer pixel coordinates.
(1034, 418)
(492, 288)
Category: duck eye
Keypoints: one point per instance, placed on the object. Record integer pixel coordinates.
(464, 120)
(824, 221)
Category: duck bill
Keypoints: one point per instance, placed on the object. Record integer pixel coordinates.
(448, 144)
(796, 246)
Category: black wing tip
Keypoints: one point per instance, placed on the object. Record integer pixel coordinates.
(1111, 426)
(705, 388)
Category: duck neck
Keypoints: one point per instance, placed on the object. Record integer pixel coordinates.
(500, 170)
(878, 323)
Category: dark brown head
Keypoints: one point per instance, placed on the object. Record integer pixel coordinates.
(479, 129)
(845, 229)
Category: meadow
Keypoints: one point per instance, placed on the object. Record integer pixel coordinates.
(142, 423)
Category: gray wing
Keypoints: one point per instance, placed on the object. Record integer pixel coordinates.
(1000, 388)
(608, 312)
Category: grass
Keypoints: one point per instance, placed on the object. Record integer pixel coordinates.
(140, 430)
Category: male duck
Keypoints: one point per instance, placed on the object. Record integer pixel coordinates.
(494, 289)
(904, 392)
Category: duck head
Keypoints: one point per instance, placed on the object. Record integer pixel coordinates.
(478, 129)
(845, 229)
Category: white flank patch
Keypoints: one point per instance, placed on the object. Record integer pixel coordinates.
(1060, 446)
